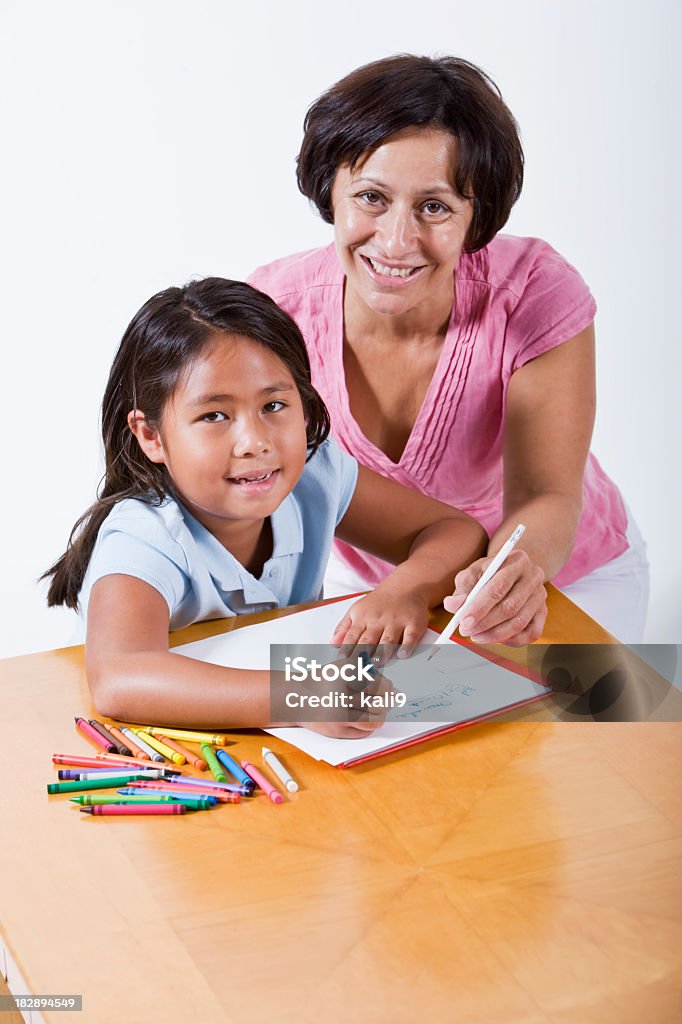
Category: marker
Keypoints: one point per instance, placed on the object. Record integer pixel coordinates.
(151, 751)
(187, 734)
(497, 561)
(95, 736)
(216, 771)
(280, 771)
(187, 754)
(164, 787)
(264, 784)
(76, 784)
(120, 741)
(197, 803)
(105, 773)
(106, 735)
(161, 748)
(235, 769)
(136, 809)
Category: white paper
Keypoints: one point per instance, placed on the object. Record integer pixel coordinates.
(460, 687)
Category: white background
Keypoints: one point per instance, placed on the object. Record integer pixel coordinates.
(148, 142)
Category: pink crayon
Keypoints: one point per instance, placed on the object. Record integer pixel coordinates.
(263, 783)
(96, 737)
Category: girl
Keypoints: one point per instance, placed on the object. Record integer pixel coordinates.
(221, 495)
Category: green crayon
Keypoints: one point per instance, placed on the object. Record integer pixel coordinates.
(89, 799)
(77, 784)
(213, 763)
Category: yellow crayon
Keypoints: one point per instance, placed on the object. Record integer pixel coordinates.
(171, 755)
(218, 740)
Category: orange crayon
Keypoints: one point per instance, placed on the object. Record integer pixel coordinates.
(187, 754)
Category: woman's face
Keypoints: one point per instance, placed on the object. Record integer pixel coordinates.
(399, 223)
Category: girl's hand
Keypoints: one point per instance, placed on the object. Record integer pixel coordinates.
(512, 606)
(389, 616)
(361, 722)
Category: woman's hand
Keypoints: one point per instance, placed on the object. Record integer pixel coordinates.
(512, 606)
(393, 616)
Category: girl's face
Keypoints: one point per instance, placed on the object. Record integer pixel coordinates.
(232, 436)
(399, 223)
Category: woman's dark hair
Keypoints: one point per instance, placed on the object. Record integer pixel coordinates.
(374, 102)
(160, 345)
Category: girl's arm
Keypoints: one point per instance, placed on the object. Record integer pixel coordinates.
(134, 677)
(548, 427)
(427, 540)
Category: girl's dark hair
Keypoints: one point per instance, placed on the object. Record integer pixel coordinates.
(374, 102)
(161, 343)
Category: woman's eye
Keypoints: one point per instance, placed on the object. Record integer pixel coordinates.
(274, 406)
(434, 208)
(214, 417)
(371, 198)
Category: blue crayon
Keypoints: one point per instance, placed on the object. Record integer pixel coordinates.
(204, 800)
(235, 769)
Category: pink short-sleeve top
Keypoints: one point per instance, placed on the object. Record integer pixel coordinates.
(514, 299)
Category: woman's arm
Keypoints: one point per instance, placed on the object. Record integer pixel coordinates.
(134, 677)
(429, 542)
(548, 427)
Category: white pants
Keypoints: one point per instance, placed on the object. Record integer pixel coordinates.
(616, 595)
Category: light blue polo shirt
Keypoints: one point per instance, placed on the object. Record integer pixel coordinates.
(171, 551)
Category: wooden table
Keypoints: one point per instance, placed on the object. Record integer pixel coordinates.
(524, 872)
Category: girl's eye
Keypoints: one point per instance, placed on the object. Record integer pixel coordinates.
(214, 417)
(274, 406)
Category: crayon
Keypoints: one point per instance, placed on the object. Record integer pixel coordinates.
(213, 763)
(75, 785)
(164, 787)
(90, 799)
(137, 751)
(158, 745)
(120, 741)
(152, 751)
(197, 803)
(103, 761)
(267, 787)
(109, 773)
(211, 785)
(192, 736)
(136, 809)
(94, 735)
(236, 769)
(106, 735)
(275, 765)
(187, 754)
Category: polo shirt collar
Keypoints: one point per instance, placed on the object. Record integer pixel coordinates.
(226, 571)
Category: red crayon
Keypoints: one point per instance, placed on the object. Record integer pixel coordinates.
(170, 787)
(179, 749)
(94, 736)
(100, 760)
(105, 809)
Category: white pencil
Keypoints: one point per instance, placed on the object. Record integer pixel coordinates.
(280, 771)
(497, 561)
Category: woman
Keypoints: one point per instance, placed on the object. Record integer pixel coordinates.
(453, 359)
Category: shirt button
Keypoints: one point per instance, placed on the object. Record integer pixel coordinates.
(273, 572)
